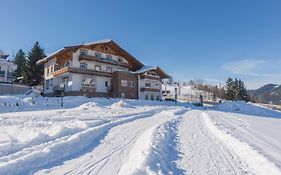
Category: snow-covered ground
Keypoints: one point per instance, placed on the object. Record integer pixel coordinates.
(116, 136)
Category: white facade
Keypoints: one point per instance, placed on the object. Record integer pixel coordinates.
(73, 81)
(150, 84)
(6, 68)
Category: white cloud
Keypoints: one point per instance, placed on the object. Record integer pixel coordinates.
(244, 67)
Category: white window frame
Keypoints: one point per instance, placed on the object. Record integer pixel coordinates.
(83, 65)
(124, 83)
(97, 66)
(83, 52)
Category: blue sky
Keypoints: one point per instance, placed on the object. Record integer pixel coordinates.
(189, 39)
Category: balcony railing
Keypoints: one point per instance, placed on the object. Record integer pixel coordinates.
(81, 71)
(102, 60)
(150, 89)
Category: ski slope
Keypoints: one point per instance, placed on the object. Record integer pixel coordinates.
(113, 136)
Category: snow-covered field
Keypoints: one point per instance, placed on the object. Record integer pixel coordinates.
(114, 136)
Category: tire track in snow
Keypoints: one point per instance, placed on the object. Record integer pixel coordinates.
(164, 153)
(31, 159)
(256, 162)
(114, 154)
(203, 153)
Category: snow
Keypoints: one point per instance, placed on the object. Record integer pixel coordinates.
(120, 136)
(248, 108)
(145, 69)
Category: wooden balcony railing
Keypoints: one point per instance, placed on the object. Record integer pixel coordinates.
(150, 89)
(81, 71)
(102, 60)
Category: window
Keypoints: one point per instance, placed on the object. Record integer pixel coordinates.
(146, 97)
(124, 83)
(147, 85)
(131, 84)
(48, 71)
(157, 97)
(97, 68)
(106, 84)
(109, 69)
(98, 55)
(47, 84)
(157, 85)
(83, 52)
(152, 97)
(83, 65)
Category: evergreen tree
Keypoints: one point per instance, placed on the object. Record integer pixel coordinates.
(34, 72)
(20, 61)
(242, 92)
(230, 92)
(236, 90)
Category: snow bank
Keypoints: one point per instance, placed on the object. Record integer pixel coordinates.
(33, 102)
(248, 108)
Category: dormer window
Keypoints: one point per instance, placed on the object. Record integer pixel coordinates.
(83, 52)
(98, 55)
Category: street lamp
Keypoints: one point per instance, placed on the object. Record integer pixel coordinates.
(176, 94)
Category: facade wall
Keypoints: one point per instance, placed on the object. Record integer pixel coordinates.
(152, 86)
(120, 90)
(105, 86)
(101, 84)
(6, 68)
(91, 64)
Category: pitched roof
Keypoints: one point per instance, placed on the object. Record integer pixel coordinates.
(108, 41)
(150, 68)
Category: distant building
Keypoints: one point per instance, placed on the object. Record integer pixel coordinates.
(100, 69)
(6, 68)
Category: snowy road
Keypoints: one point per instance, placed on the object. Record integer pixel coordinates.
(129, 137)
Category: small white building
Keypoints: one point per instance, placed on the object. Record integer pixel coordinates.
(6, 68)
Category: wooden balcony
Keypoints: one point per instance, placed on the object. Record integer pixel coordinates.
(150, 77)
(102, 60)
(149, 89)
(81, 71)
(60, 71)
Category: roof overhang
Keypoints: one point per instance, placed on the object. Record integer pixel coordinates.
(108, 42)
(157, 69)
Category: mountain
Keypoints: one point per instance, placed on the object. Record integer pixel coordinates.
(269, 93)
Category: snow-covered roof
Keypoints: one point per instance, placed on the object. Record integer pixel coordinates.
(97, 42)
(145, 69)
(132, 59)
(149, 68)
(73, 46)
(3, 55)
